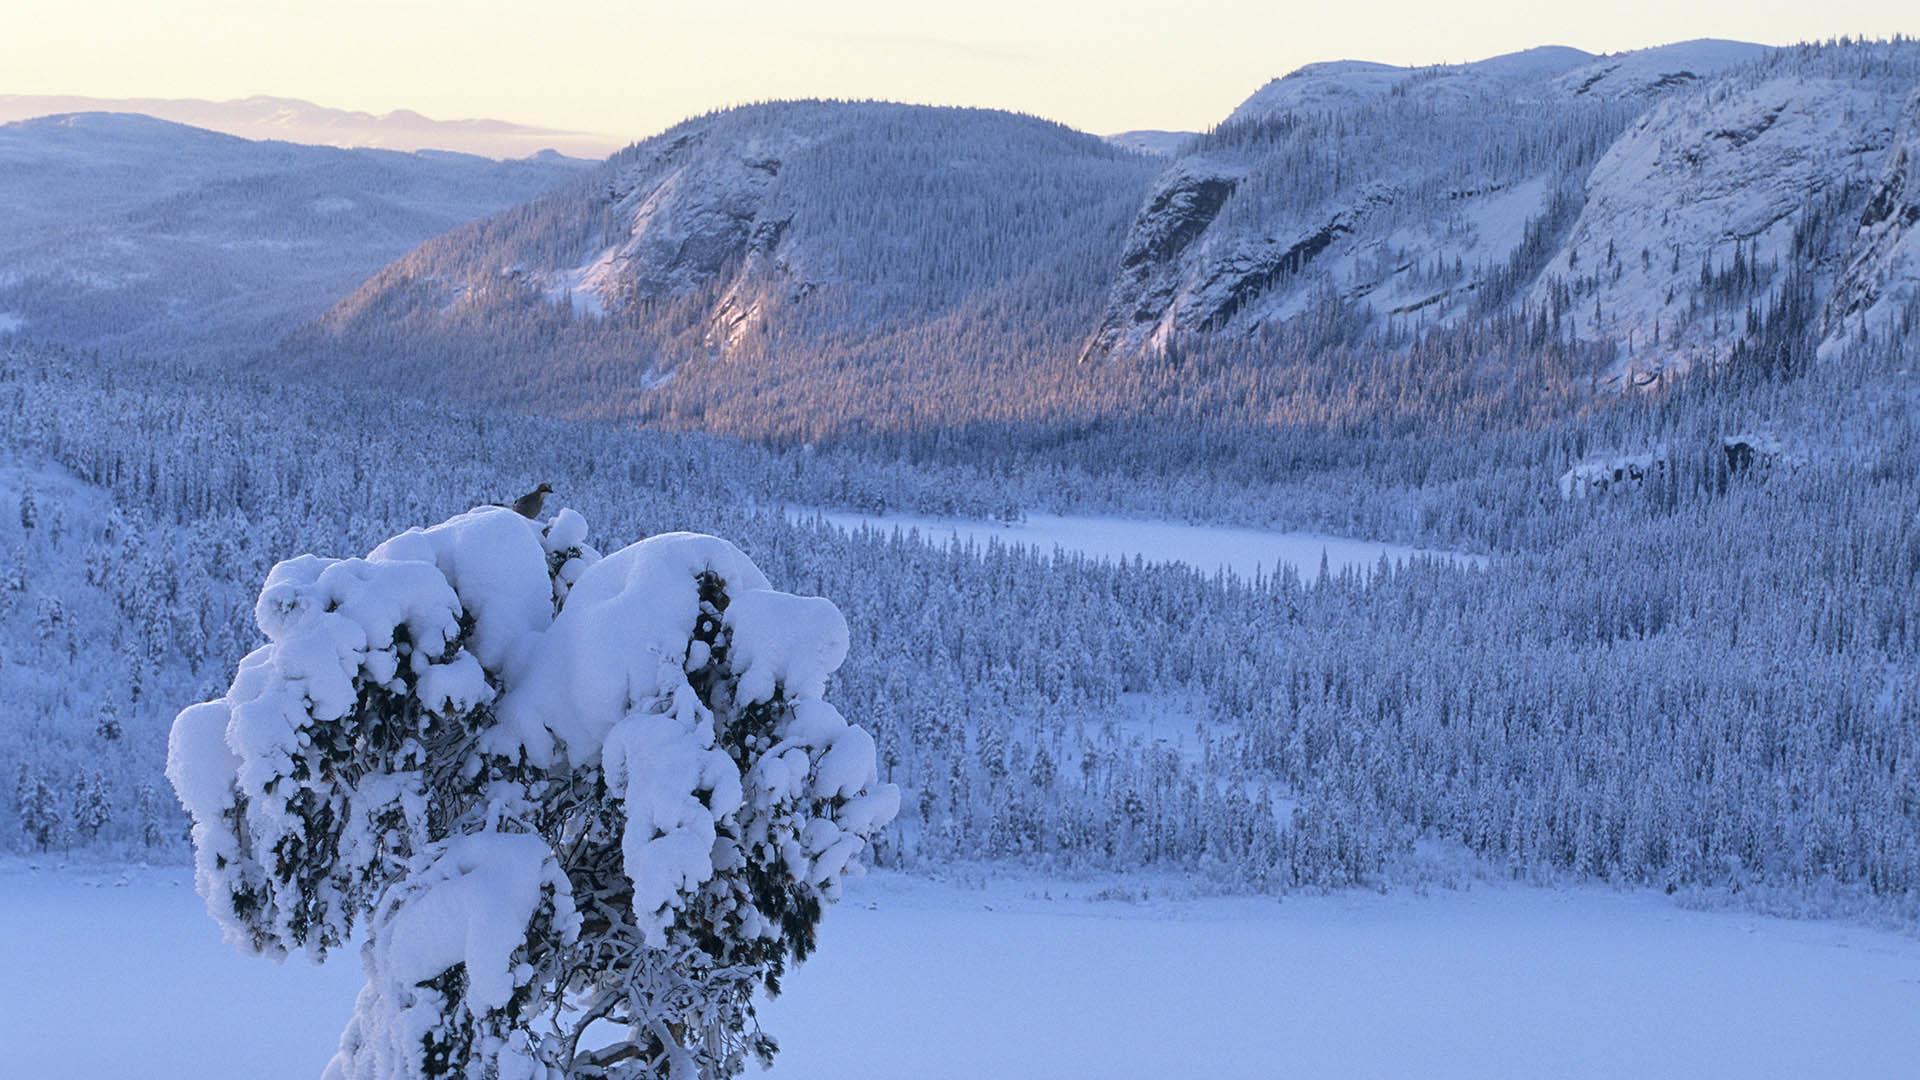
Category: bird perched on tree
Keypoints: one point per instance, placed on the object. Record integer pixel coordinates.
(528, 505)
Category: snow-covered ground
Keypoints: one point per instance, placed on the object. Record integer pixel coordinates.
(112, 974)
(1203, 547)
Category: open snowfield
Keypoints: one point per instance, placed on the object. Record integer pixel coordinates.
(121, 974)
(1203, 547)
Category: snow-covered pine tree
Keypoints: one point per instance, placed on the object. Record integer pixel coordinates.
(16, 578)
(92, 806)
(108, 727)
(582, 808)
(38, 808)
(156, 814)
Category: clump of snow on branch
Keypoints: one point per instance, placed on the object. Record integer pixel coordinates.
(556, 789)
(470, 906)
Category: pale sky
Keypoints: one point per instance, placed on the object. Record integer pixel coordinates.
(632, 68)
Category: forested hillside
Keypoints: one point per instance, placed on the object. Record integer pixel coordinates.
(758, 268)
(1689, 658)
(1699, 675)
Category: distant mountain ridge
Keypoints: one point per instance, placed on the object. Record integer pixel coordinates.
(810, 269)
(294, 120)
(1651, 210)
(128, 232)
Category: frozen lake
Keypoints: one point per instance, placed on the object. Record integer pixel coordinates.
(1203, 547)
(111, 975)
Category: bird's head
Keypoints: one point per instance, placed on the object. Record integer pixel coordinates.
(544, 488)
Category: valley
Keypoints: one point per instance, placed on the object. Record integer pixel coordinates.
(1418, 576)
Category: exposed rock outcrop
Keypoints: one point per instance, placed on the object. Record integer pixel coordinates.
(1882, 276)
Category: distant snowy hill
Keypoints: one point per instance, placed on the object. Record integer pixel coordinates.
(860, 267)
(791, 254)
(1343, 84)
(125, 231)
(293, 120)
(1661, 68)
(1152, 142)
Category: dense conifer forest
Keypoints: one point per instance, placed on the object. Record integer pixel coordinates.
(1695, 672)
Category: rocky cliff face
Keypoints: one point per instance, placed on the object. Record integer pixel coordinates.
(1353, 181)
(1182, 205)
(1880, 284)
(1707, 204)
(1658, 70)
(688, 209)
(1647, 199)
(702, 210)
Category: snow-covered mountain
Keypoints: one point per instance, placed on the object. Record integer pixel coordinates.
(1717, 198)
(845, 248)
(1645, 200)
(809, 268)
(127, 231)
(294, 120)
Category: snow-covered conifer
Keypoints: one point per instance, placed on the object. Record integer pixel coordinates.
(38, 808)
(92, 806)
(582, 808)
(17, 577)
(156, 814)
